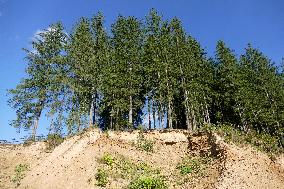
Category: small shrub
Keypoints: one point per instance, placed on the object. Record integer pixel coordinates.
(262, 141)
(140, 128)
(53, 140)
(145, 182)
(28, 141)
(120, 167)
(195, 165)
(124, 168)
(144, 144)
(145, 169)
(107, 159)
(102, 178)
(187, 167)
(19, 173)
(184, 169)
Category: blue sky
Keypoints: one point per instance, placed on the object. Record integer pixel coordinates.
(260, 22)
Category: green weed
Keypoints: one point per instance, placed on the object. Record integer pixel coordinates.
(144, 144)
(195, 165)
(148, 182)
(19, 173)
(119, 167)
(102, 178)
(107, 159)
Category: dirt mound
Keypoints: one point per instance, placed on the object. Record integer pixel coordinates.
(75, 162)
(12, 155)
(249, 168)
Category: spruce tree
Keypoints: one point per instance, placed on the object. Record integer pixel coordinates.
(261, 92)
(127, 49)
(150, 62)
(198, 71)
(83, 71)
(227, 83)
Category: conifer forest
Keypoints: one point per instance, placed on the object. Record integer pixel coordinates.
(137, 69)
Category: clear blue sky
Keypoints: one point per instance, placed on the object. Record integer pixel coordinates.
(260, 22)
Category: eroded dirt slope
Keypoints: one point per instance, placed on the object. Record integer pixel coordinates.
(73, 163)
(13, 155)
(249, 168)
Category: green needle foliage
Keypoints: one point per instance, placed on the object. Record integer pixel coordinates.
(227, 75)
(127, 69)
(145, 69)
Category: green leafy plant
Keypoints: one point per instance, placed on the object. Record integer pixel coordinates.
(144, 144)
(107, 159)
(124, 168)
(189, 166)
(184, 169)
(195, 165)
(19, 173)
(148, 182)
(102, 178)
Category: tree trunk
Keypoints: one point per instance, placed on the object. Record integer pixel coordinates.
(243, 119)
(116, 120)
(111, 118)
(169, 112)
(51, 127)
(170, 119)
(154, 118)
(154, 113)
(79, 124)
(130, 112)
(91, 114)
(193, 119)
(149, 113)
(37, 119)
(188, 122)
(35, 128)
(208, 121)
(163, 119)
(187, 112)
(159, 117)
(95, 109)
(206, 112)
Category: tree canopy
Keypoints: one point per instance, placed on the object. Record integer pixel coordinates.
(150, 67)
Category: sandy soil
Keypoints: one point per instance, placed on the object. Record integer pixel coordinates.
(73, 163)
(12, 155)
(249, 168)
